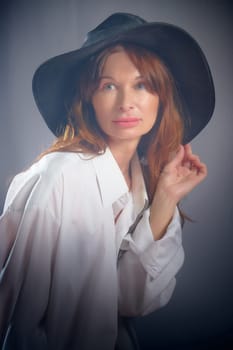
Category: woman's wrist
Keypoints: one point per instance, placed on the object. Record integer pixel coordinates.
(161, 213)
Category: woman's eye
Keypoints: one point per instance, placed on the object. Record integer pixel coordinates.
(141, 86)
(108, 86)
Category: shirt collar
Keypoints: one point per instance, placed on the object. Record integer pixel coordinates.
(111, 181)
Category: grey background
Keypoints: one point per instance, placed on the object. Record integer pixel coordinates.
(201, 310)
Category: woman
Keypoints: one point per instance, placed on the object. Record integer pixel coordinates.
(92, 231)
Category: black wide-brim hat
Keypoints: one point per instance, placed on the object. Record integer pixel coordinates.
(53, 82)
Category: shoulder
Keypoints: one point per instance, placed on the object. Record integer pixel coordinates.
(48, 177)
(57, 163)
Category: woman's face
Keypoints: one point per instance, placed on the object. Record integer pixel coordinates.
(124, 108)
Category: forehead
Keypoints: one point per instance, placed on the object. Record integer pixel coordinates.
(117, 60)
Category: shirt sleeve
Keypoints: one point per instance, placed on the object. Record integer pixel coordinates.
(28, 235)
(147, 268)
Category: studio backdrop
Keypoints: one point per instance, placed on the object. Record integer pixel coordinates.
(200, 312)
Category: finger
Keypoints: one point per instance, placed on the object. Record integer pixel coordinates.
(178, 158)
(192, 162)
(175, 162)
(188, 148)
(199, 172)
(196, 163)
(189, 157)
(187, 151)
(202, 169)
(187, 164)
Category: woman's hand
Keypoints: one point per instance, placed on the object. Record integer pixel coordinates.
(182, 174)
(179, 177)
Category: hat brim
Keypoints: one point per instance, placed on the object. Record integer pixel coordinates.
(54, 81)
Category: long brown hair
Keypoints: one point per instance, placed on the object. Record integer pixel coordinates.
(83, 134)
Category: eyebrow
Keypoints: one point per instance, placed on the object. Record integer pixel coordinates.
(111, 78)
(106, 77)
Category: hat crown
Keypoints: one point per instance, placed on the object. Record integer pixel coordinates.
(113, 25)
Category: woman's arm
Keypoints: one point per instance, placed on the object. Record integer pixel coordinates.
(154, 253)
(147, 268)
(179, 177)
(28, 234)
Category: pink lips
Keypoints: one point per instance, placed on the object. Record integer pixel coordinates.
(127, 122)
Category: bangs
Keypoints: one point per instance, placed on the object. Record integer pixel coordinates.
(156, 75)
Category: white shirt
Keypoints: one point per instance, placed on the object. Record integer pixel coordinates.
(67, 268)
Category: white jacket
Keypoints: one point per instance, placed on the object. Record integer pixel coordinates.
(67, 269)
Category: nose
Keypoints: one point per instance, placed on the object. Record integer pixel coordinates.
(126, 101)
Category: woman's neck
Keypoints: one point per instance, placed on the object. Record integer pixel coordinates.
(123, 153)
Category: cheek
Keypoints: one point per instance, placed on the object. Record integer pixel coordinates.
(101, 105)
(98, 109)
(101, 114)
(152, 106)
(95, 104)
